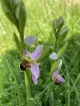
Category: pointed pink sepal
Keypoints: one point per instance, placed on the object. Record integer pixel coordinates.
(37, 52)
(55, 74)
(35, 69)
(61, 79)
(35, 80)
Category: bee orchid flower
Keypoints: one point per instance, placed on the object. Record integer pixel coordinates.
(33, 64)
(56, 77)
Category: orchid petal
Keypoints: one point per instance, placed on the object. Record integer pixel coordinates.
(61, 79)
(26, 53)
(35, 70)
(34, 79)
(37, 52)
(60, 64)
(55, 74)
(53, 56)
(30, 40)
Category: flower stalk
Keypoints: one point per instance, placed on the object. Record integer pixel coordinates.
(27, 83)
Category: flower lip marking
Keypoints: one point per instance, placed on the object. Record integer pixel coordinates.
(57, 80)
(25, 64)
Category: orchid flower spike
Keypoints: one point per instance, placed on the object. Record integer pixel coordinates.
(53, 56)
(56, 76)
(34, 65)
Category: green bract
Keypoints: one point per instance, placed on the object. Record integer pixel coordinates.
(54, 66)
(62, 50)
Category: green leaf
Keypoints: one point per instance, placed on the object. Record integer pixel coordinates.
(15, 2)
(17, 12)
(54, 67)
(22, 20)
(62, 50)
(7, 8)
(8, 4)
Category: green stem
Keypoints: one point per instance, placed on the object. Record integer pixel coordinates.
(68, 83)
(27, 83)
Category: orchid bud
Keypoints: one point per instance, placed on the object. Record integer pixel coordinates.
(57, 25)
(62, 34)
